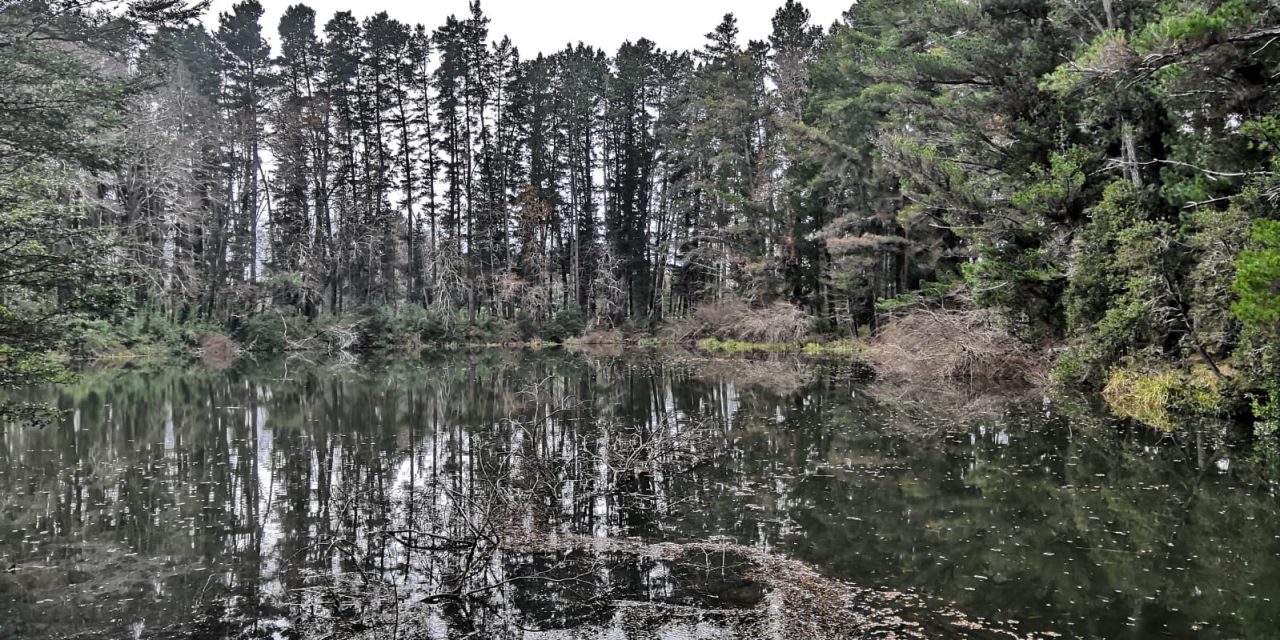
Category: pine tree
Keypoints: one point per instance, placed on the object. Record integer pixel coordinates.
(634, 96)
(246, 69)
(299, 146)
(386, 66)
(341, 70)
(425, 167)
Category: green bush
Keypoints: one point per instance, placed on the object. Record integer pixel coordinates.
(1073, 367)
(1258, 280)
(386, 328)
(1260, 356)
(148, 333)
(1118, 303)
(1257, 288)
(270, 331)
(528, 326)
(376, 329)
(1266, 410)
(569, 322)
(424, 323)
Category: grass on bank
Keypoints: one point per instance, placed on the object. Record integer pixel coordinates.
(1166, 398)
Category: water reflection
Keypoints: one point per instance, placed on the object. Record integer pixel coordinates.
(241, 494)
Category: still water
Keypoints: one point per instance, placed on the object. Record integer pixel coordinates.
(223, 504)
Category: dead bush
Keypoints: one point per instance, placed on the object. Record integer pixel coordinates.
(954, 346)
(780, 322)
(600, 343)
(599, 337)
(218, 351)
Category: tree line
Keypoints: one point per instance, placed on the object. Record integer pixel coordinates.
(1100, 172)
(371, 162)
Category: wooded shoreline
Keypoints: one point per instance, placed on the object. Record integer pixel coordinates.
(1092, 185)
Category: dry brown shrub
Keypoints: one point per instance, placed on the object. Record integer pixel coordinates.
(600, 336)
(717, 319)
(218, 351)
(955, 346)
(736, 320)
(600, 343)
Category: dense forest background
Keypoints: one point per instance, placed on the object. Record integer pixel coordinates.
(1097, 175)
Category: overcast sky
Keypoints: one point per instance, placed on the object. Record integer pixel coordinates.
(548, 25)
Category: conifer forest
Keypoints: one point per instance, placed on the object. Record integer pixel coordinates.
(408, 322)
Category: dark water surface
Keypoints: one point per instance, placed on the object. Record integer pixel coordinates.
(188, 502)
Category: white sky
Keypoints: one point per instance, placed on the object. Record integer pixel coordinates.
(548, 25)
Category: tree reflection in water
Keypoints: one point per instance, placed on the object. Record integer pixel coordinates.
(500, 492)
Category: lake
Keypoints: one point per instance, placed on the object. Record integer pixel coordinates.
(505, 493)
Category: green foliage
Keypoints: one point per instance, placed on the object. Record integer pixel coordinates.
(905, 302)
(412, 327)
(568, 323)
(52, 280)
(1053, 192)
(975, 157)
(486, 328)
(58, 104)
(269, 331)
(930, 294)
(1217, 237)
(1260, 355)
(1073, 367)
(1263, 132)
(1266, 410)
(385, 328)
(1193, 22)
(288, 285)
(148, 333)
(63, 101)
(1258, 280)
(1095, 278)
(1119, 299)
(1101, 52)
(1083, 173)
